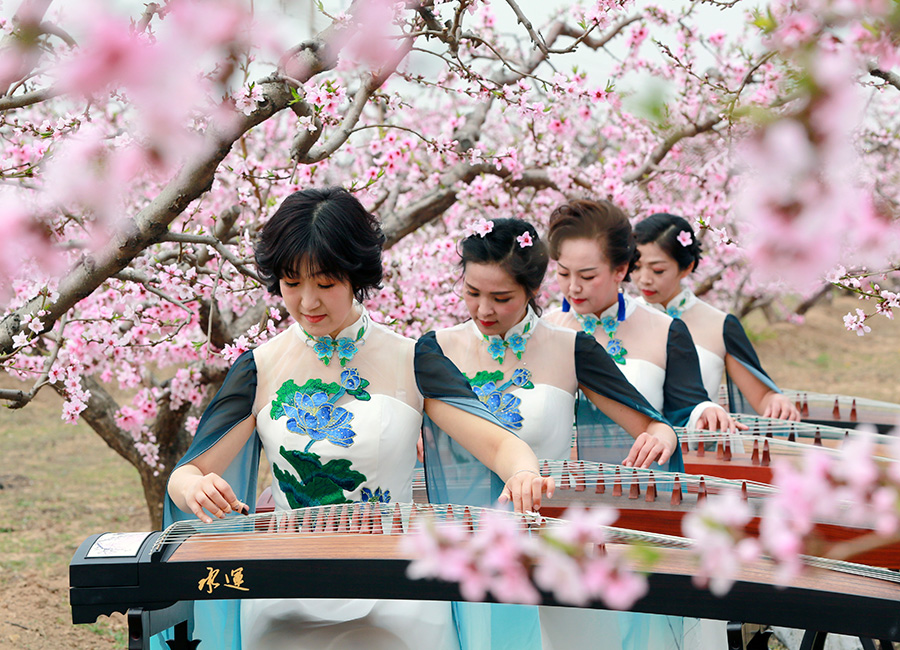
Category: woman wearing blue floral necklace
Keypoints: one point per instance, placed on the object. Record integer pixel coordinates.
(669, 253)
(593, 245)
(527, 372)
(337, 402)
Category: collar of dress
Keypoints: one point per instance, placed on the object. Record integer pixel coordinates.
(515, 339)
(346, 343)
(677, 305)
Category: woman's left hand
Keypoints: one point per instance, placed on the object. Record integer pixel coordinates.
(718, 419)
(525, 489)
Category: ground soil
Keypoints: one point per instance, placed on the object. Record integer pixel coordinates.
(60, 483)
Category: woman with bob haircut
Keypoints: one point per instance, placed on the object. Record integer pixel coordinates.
(670, 252)
(336, 400)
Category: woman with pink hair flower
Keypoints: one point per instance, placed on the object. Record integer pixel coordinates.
(669, 252)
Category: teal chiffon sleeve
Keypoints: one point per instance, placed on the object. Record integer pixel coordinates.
(218, 623)
(739, 347)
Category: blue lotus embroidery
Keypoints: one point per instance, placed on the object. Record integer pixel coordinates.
(315, 416)
(311, 409)
(377, 496)
(505, 406)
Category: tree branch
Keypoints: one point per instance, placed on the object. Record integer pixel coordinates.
(417, 214)
(100, 416)
(360, 99)
(583, 36)
(664, 147)
(130, 275)
(523, 20)
(208, 240)
(150, 225)
(890, 77)
(34, 97)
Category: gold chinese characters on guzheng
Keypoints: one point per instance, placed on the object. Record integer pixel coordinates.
(284, 554)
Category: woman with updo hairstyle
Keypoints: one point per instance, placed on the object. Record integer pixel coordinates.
(595, 250)
(669, 252)
(337, 402)
(526, 371)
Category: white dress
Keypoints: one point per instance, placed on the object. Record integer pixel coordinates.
(540, 407)
(366, 451)
(333, 433)
(715, 335)
(661, 363)
(660, 358)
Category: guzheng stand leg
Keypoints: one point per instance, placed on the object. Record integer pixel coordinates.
(813, 640)
(144, 623)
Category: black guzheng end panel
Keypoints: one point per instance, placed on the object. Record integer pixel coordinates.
(369, 563)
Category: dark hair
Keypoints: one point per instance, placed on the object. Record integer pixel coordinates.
(525, 264)
(663, 229)
(328, 232)
(600, 220)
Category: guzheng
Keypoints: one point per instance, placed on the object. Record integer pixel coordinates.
(750, 453)
(280, 555)
(657, 501)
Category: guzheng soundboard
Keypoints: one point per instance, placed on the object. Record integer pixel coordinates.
(749, 454)
(279, 555)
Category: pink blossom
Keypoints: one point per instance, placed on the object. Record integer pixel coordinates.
(524, 240)
(857, 323)
(685, 239)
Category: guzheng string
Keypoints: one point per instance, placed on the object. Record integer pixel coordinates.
(392, 519)
(776, 427)
(844, 402)
(582, 474)
(306, 520)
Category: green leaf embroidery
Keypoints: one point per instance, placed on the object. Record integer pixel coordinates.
(285, 394)
(484, 377)
(319, 484)
(360, 393)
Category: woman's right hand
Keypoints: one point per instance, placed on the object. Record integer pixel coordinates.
(658, 444)
(210, 493)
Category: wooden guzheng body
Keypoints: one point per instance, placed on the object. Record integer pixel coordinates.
(358, 546)
(657, 501)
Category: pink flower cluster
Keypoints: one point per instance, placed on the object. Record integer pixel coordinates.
(569, 561)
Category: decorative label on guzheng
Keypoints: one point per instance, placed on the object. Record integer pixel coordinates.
(117, 545)
(233, 579)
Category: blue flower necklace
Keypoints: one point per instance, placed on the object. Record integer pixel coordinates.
(677, 307)
(609, 324)
(515, 340)
(346, 347)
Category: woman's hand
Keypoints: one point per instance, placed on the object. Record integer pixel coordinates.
(778, 406)
(649, 447)
(525, 489)
(211, 493)
(716, 418)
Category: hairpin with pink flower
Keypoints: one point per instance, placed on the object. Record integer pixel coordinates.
(525, 240)
(685, 239)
